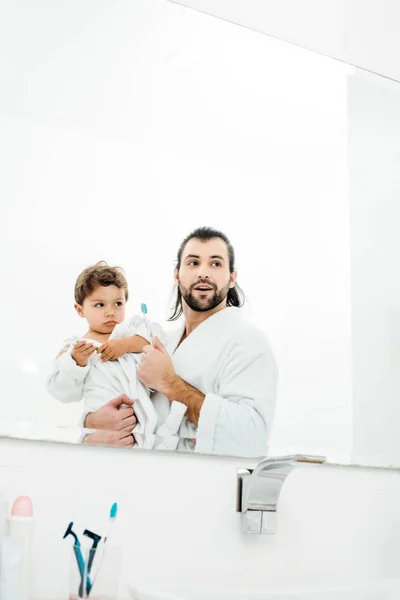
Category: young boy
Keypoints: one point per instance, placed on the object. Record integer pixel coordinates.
(101, 364)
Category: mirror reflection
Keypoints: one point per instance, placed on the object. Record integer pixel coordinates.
(125, 128)
(210, 385)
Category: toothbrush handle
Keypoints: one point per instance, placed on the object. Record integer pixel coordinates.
(150, 336)
(148, 329)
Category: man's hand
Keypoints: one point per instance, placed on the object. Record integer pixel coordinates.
(155, 369)
(110, 438)
(113, 349)
(82, 352)
(113, 418)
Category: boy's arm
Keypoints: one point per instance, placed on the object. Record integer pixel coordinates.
(66, 380)
(132, 340)
(114, 349)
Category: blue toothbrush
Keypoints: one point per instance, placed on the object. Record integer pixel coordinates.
(111, 519)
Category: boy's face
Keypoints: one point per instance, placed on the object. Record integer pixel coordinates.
(104, 308)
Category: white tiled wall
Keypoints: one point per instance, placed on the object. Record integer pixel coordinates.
(177, 522)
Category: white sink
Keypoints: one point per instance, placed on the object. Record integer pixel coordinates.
(380, 590)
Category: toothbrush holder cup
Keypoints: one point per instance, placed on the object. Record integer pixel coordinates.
(95, 574)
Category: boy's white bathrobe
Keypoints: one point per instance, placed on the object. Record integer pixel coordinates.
(230, 361)
(99, 382)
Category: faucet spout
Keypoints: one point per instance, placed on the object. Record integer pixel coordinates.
(259, 490)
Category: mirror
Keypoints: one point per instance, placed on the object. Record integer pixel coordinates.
(126, 125)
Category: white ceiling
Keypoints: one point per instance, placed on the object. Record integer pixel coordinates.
(364, 33)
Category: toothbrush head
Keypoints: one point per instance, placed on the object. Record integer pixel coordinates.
(143, 307)
(113, 511)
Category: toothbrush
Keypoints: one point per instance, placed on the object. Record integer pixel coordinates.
(111, 519)
(143, 307)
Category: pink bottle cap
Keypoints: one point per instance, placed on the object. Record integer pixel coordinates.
(22, 507)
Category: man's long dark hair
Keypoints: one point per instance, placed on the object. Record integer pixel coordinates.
(235, 295)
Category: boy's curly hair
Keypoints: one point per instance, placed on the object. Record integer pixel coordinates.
(100, 274)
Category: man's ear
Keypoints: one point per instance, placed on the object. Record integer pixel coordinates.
(79, 310)
(176, 276)
(233, 279)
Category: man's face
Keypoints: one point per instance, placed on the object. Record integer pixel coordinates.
(104, 308)
(204, 279)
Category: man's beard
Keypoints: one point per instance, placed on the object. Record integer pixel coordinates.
(207, 303)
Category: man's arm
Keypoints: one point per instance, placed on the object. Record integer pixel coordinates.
(111, 417)
(238, 418)
(114, 424)
(101, 437)
(178, 389)
(157, 372)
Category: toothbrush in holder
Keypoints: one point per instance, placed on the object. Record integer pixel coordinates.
(111, 519)
(143, 307)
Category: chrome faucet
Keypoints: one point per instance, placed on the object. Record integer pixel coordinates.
(258, 490)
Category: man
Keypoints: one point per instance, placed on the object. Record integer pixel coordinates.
(219, 366)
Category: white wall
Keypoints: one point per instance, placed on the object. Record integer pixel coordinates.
(360, 33)
(121, 131)
(374, 176)
(178, 527)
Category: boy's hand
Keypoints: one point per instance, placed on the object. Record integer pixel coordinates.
(113, 349)
(82, 352)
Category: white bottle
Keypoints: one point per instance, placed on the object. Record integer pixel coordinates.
(3, 514)
(21, 524)
(11, 554)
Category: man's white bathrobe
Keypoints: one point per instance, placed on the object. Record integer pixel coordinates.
(97, 383)
(230, 361)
